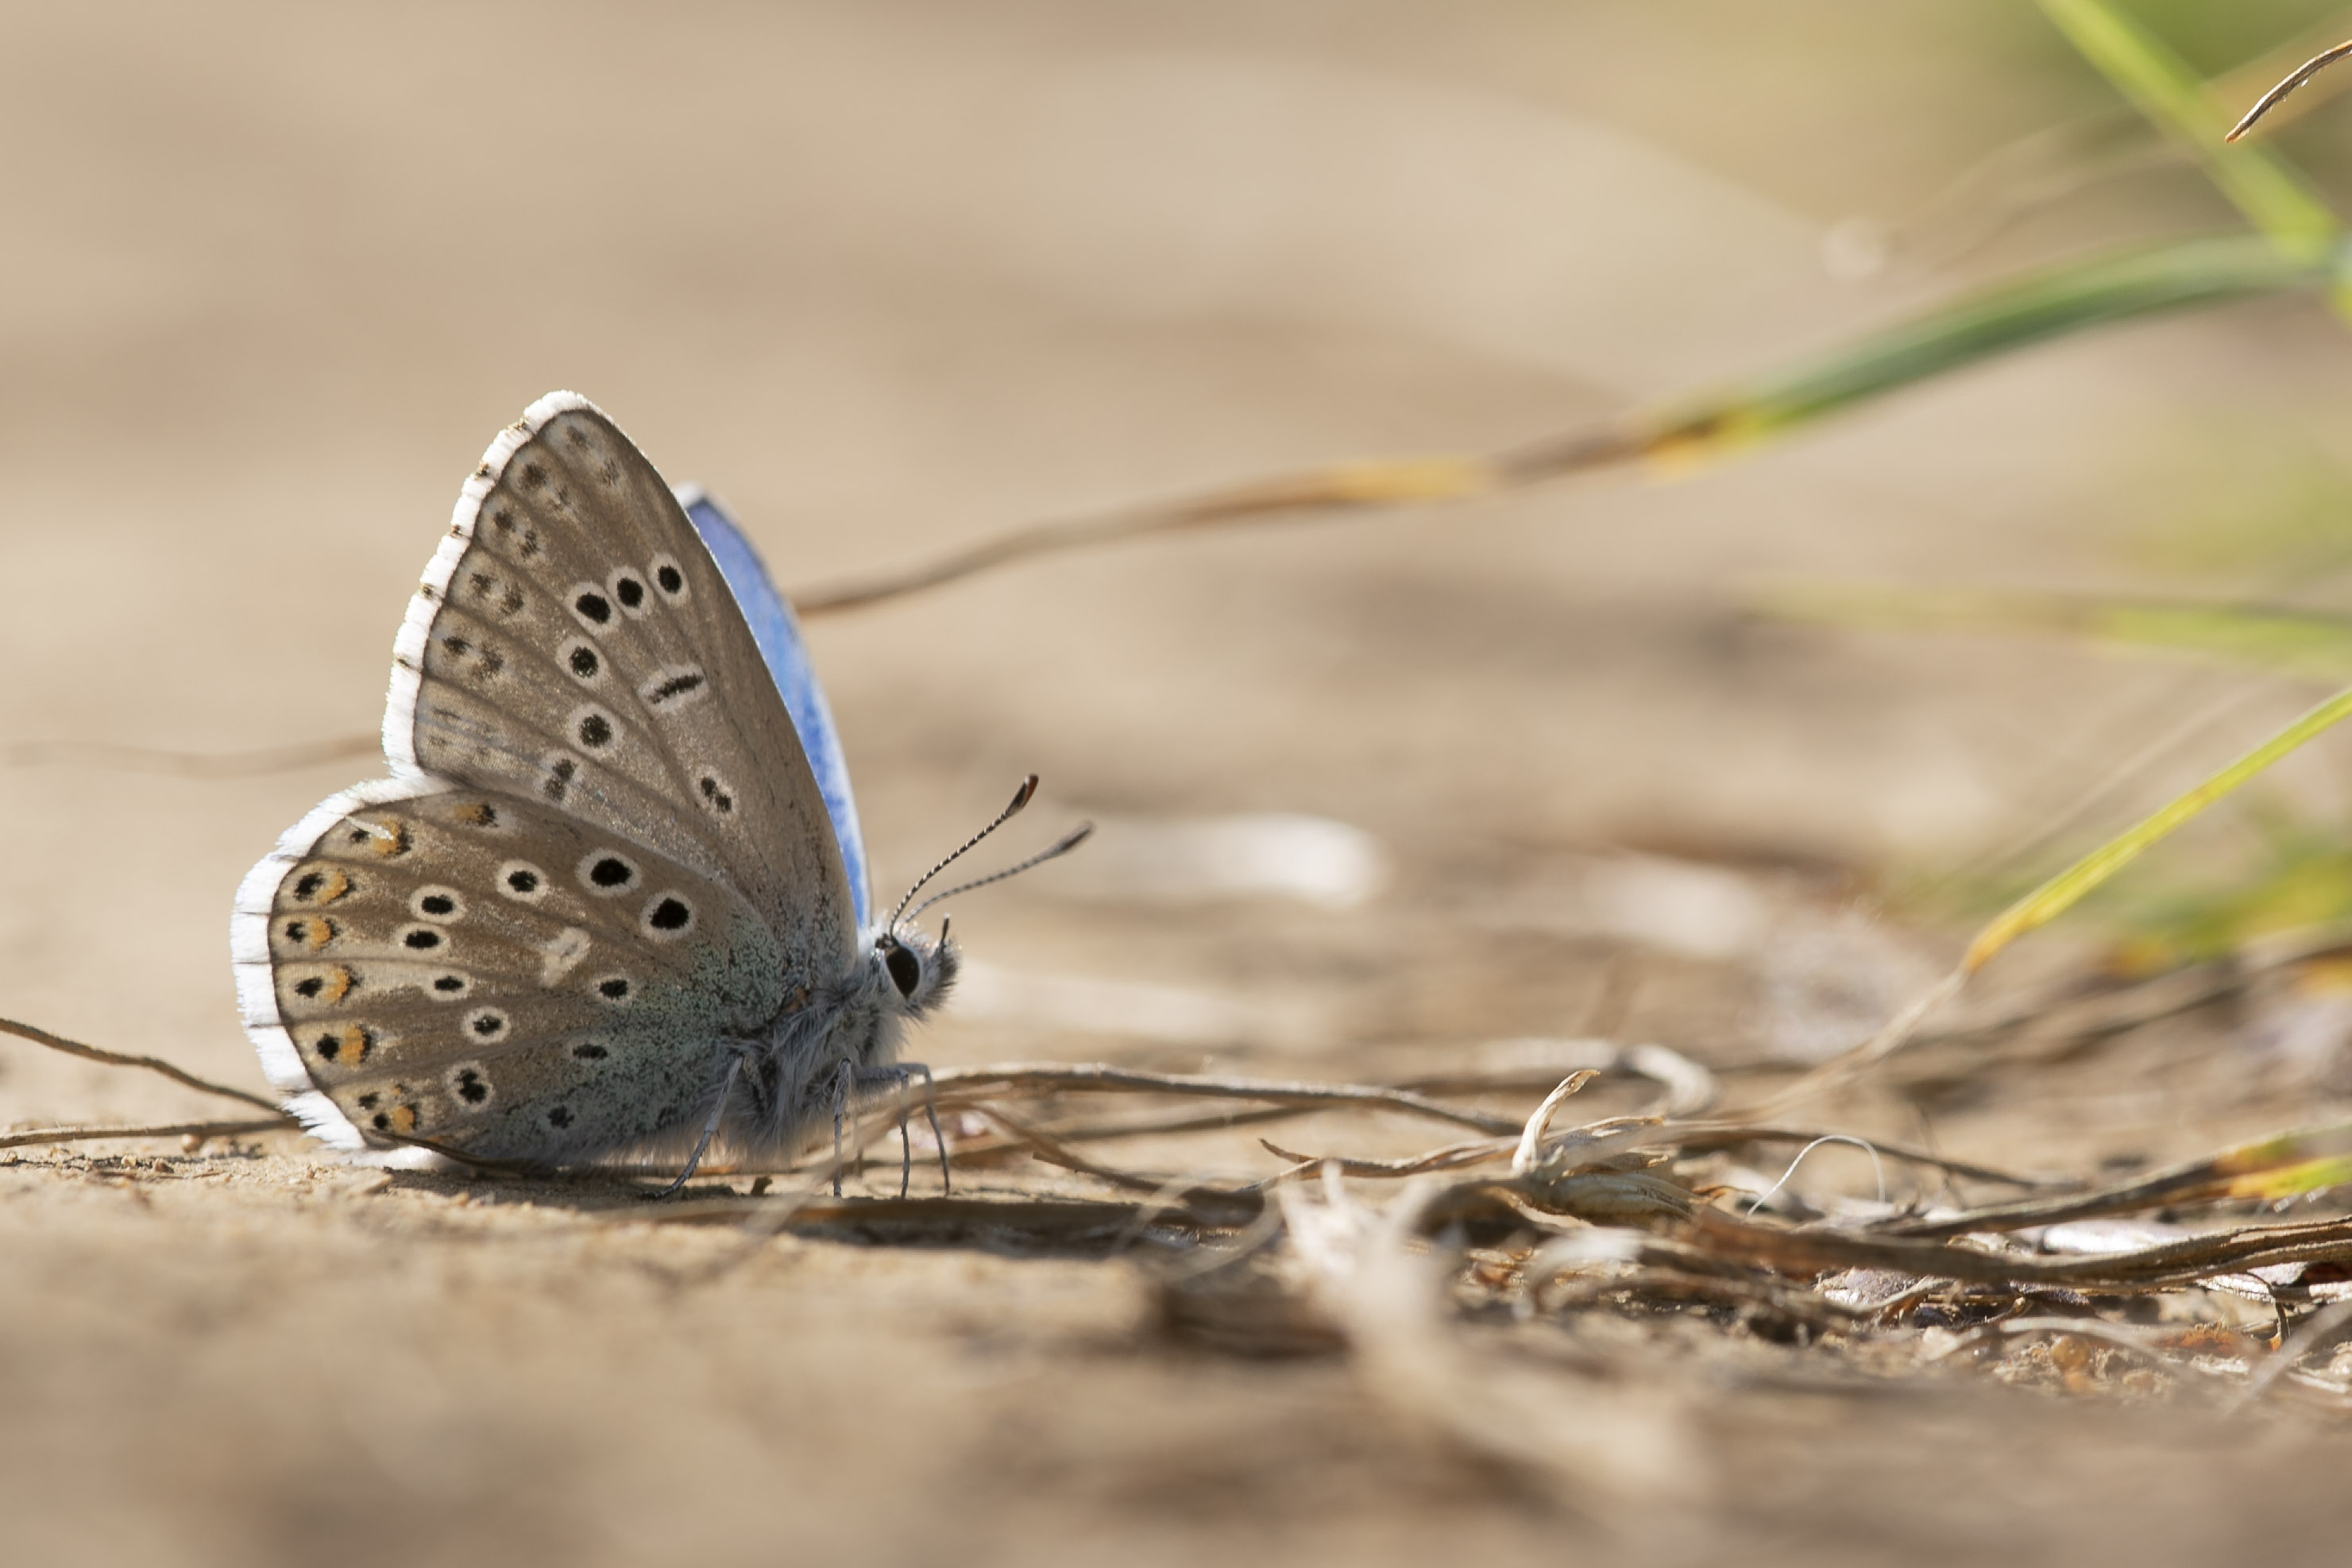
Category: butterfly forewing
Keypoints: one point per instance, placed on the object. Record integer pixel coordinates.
(574, 644)
(504, 979)
(778, 634)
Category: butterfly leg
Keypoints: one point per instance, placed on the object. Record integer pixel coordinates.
(906, 1145)
(932, 1114)
(845, 1082)
(709, 1130)
(900, 1073)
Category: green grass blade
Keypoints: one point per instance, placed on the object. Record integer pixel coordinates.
(2050, 304)
(2313, 644)
(2057, 895)
(2286, 1165)
(2160, 84)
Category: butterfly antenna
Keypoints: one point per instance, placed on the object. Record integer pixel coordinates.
(1068, 841)
(1020, 797)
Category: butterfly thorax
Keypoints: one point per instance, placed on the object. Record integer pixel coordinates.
(829, 1041)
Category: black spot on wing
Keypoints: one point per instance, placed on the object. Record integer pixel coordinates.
(670, 686)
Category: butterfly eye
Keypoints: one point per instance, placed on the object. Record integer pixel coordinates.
(906, 969)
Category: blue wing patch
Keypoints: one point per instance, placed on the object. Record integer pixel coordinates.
(779, 637)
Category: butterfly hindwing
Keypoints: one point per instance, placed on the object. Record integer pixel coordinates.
(574, 643)
(497, 977)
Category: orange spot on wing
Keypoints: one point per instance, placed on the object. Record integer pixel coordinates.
(345, 1047)
(312, 933)
(315, 885)
(386, 838)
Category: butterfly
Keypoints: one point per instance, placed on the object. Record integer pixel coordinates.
(612, 898)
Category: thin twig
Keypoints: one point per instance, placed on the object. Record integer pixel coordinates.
(1689, 1099)
(962, 1087)
(1843, 1068)
(1688, 1137)
(1452, 1157)
(1496, 1080)
(1068, 1220)
(1053, 1153)
(1312, 492)
(2295, 79)
(187, 764)
(2313, 1334)
(2205, 1180)
(2184, 1262)
(1727, 1135)
(175, 1129)
(1291, 496)
(1167, 1126)
(2123, 1006)
(116, 1059)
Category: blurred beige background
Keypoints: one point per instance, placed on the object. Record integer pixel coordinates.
(888, 277)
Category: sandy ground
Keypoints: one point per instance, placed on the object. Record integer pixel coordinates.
(886, 276)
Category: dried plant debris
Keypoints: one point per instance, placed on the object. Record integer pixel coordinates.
(1488, 1283)
(2068, 1288)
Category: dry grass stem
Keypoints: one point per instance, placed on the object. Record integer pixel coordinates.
(145, 1064)
(1840, 1070)
(1027, 1217)
(199, 1130)
(189, 764)
(1050, 1150)
(959, 1087)
(2295, 79)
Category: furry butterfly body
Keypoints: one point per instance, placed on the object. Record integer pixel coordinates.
(606, 899)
